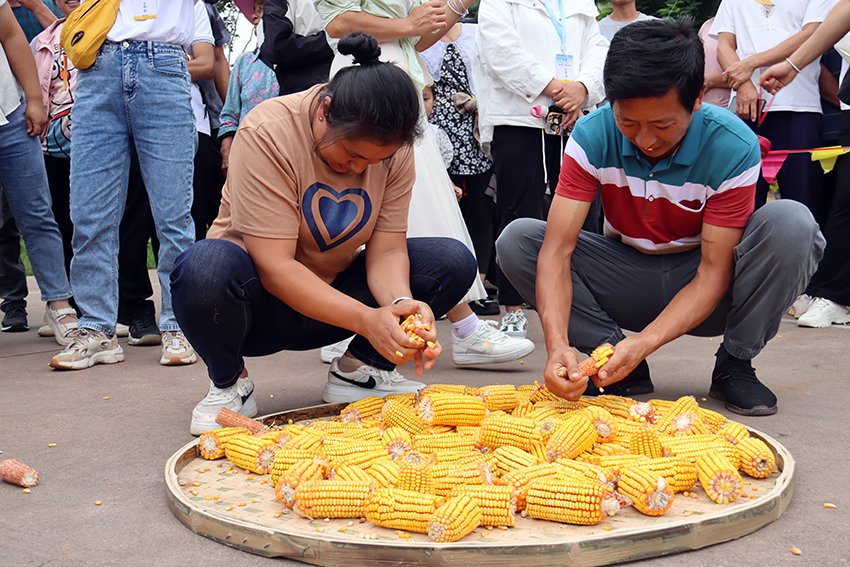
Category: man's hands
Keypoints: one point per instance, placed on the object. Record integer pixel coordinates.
(629, 352)
(573, 384)
(382, 329)
(226, 143)
(426, 18)
(747, 102)
(738, 73)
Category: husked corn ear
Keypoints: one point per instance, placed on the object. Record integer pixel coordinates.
(252, 453)
(349, 472)
(471, 472)
(497, 503)
(414, 473)
(527, 388)
(648, 490)
(398, 414)
(616, 405)
(332, 498)
(450, 388)
(342, 449)
(562, 405)
(755, 458)
(691, 446)
(541, 413)
(684, 405)
(364, 459)
(574, 436)
(572, 500)
(680, 474)
(455, 518)
(309, 439)
(428, 443)
(385, 473)
(358, 411)
(609, 449)
(718, 477)
(452, 455)
(213, 442)
(397, 441)
(734, 432)
(626, 428)
(645, 442)
(543, 394)
(473, 431)
(539, 450)
(712, 420)
(569, 468)
(603, 422)
(616, 463)
(519, 480)
(285, 458)
(522, 409)
(398, 509)
(445, 408)
(409, 399)
(502, 430)
(302, 471)
(498, 397)
(509, 458)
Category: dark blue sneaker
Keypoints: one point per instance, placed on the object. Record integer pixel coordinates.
(15, 321)
(734, 382)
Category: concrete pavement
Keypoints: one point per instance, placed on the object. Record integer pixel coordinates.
(115, 450)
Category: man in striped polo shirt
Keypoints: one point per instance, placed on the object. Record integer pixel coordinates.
(682, 250)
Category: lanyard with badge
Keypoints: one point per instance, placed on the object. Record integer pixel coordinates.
(144, 10)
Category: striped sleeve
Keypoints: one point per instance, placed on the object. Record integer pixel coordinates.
(579, 179)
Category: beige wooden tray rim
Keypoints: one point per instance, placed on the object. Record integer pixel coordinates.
(634, 536)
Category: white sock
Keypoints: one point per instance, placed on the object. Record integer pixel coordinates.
(466, 326)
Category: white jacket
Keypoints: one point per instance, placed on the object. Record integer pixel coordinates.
(515, 59)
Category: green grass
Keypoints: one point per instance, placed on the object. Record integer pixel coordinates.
(28, 266)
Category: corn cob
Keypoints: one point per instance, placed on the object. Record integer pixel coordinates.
(648, 490)
(358, 411)
(453, 455)
(445, 408)
(646, 442)
(447, 388)
(229, 418)
(574, 436)
(396, 441)
(616, 405)
(409, 399)
(251, 453)
(562, 405)
(471, 472)
(398, 509)
(438, 429)
(572, 500)
(332, 498)
(309, 439)
(616, 463)
(498, 397)
(509, 458)
(212, 443)
(385, 473)
(680, 474)
(626, 428)
(342, 449)
(691, 446)
(755, 458)
(397, 414)
(285, 458)
(712, 420)
(455, 518)
(519, 480)
(543, 394)
(473, 431)
(685, 404)
(411, 326)
(541, 413)
(718, 477)
(364, 459)
(539, 450)
(569, 467)
(15, 472)
(279, 438)
(346, 429)
(610, 449)
(414, 473)
(302, 471)
(427, 443)
(517, 432)
(522, 409)
(497, 503)
(603, 422)
(349, 472)
(734, 432)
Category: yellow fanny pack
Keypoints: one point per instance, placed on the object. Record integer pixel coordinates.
(85, 30)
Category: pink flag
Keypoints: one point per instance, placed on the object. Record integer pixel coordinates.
(771, 164)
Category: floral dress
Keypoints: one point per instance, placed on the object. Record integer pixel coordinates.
(468, 158)
(251, 82)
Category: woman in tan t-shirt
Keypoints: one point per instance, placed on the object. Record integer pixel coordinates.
(314, 177)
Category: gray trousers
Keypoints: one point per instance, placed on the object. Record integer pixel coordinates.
(617, 287)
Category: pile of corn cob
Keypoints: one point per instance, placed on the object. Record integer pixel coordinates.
(452, 458)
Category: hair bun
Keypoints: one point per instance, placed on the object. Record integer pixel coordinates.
(362, 46)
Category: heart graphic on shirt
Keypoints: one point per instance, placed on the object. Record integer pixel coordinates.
(333, 217)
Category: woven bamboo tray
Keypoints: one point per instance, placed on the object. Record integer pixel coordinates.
(253, 526)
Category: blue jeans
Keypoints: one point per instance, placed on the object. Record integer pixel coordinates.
(24, 182)
(138, 90)
(227, 314)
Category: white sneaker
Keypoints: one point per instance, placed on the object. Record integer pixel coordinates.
(514, 324)
(801, 305)
(176, 350)
(239, 398)
(87, 349)
(364, 382)
(122, 330)
(330, 352)
(823, 313)
(487, 345)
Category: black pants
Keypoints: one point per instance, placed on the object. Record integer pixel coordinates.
(477, 209)
(59, 180)
(832, 279)
(518, 157)
(207, 183)
(13, 276)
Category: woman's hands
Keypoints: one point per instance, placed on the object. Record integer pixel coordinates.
(426, 18)
(36, 119)
(381, 327)
(777, 76)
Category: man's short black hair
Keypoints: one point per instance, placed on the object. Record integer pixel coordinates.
(648, 58)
